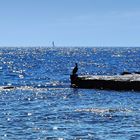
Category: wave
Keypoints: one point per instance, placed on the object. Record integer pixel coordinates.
(102, 110)
(36, 87)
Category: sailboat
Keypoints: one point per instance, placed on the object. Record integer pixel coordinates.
(53, 44)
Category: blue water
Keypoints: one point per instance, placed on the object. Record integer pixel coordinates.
(43, 106)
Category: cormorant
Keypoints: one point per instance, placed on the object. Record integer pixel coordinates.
(75, 69)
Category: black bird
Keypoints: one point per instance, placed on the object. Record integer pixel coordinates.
(75, 69)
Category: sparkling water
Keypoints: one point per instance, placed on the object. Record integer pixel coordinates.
(42, 105)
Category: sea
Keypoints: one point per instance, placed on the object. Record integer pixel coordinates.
(43, 106)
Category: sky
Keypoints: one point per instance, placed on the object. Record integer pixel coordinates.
(70, 23)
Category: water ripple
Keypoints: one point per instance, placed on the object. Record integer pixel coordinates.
(36, 101)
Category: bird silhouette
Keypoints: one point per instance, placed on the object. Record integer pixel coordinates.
(75, 69)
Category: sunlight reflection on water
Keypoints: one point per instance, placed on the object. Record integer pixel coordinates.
(43, 106)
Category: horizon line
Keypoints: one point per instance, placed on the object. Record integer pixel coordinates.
(64, 46)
